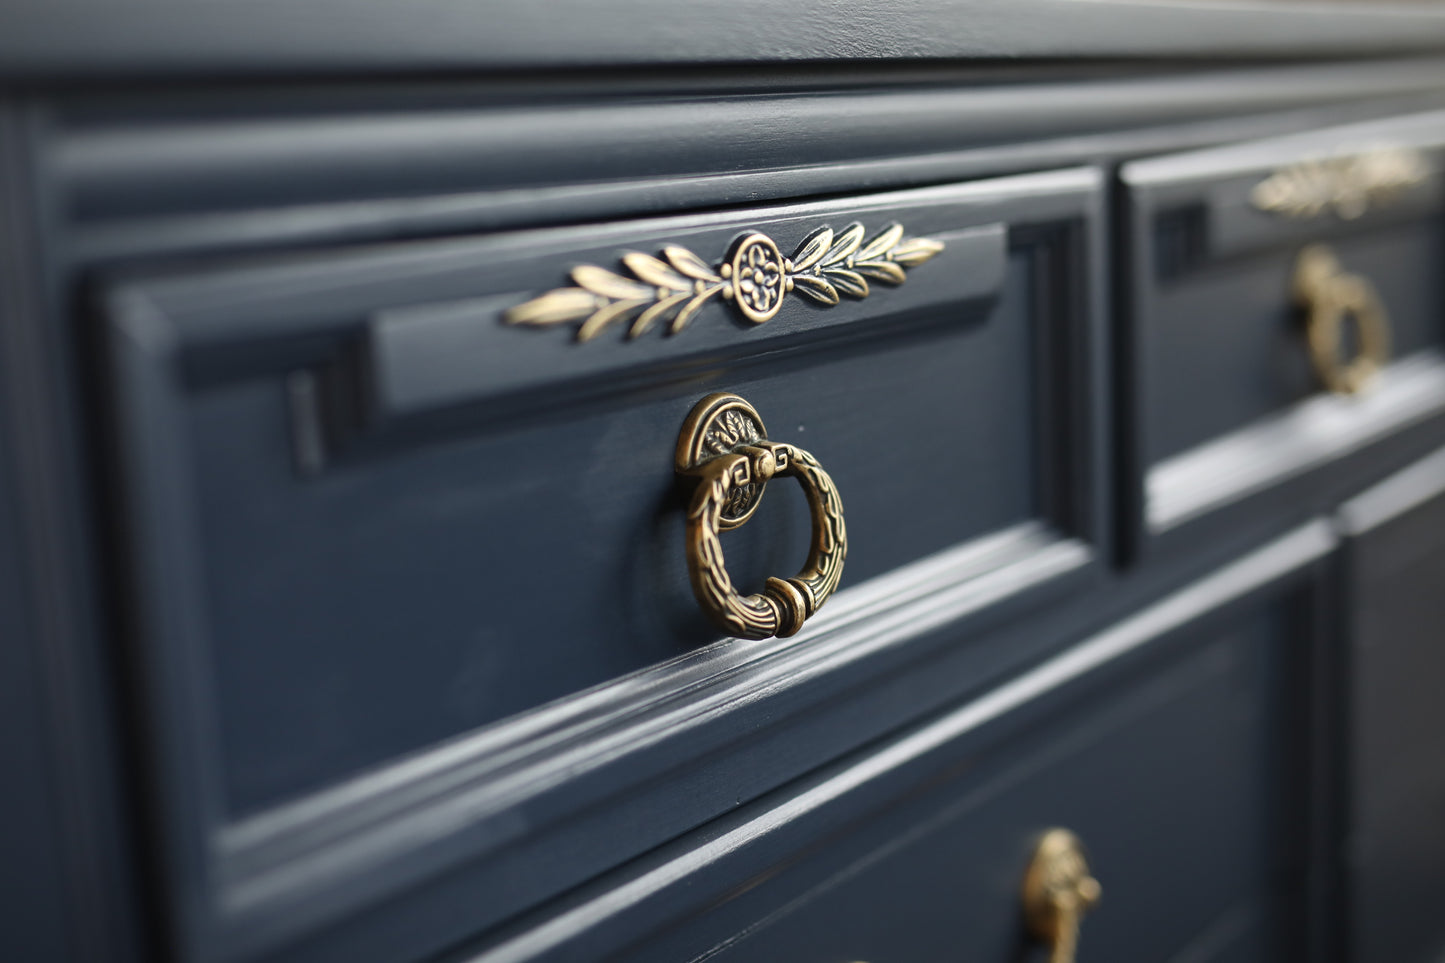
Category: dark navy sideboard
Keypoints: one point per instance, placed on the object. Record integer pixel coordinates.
(354, 607)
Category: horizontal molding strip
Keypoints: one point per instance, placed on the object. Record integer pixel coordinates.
(167, 38)
(1221, 180)
(393, 217)
(113, 172)
(391, 828)
(1254, 571)
(1312, 433)
(278, 296)
(1395, 496)
(1181, 176)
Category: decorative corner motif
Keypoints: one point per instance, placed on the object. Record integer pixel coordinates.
(1346, 186)
(754, 276)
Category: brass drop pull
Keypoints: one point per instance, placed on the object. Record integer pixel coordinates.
(1330, 295)
(724, 445)
(1058, 891)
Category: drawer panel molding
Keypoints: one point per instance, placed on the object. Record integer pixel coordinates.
(664, 909)
(327, 174)
(1310, 435)
(424, 359)
(1262, 278)
(365, 709)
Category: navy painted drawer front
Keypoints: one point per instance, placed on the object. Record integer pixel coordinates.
(413, 595)
(1176, 744)
(1224, 403)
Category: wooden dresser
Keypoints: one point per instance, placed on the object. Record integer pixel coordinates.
(651, 483)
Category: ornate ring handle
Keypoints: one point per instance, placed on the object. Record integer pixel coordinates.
(724, 445)
(1058, 891)
(1330, 295)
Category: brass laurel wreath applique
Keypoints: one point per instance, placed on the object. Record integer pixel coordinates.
(1346, 186)
(755, 277)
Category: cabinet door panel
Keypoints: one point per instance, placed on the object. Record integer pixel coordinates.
(1176, 744)
(1395, 571)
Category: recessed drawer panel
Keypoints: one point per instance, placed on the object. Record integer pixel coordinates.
(1174, 746)
(1286, 315)
(409, 539)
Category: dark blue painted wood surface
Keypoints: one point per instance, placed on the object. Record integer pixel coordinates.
(1393, 575)
(433, 575)
(1174, 742)
(86, 38)
(330, 754)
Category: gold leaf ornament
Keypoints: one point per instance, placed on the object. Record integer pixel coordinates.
(754, 277)
(1347, 187)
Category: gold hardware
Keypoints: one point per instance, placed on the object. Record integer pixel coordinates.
(1058, 891)
(754, 276)
(1329, 295)
(724, 445)
(1347, 186)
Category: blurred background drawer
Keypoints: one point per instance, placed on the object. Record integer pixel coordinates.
(411, 578)
(1228, 399)
(1176, 744)
(1394, 568)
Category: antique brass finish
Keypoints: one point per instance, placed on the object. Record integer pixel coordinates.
(719, 424)
(1346, 186)
(1329, 295)
(1058, 891)
(754, 276)
(724, 445)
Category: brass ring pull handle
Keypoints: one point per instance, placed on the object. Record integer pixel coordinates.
(1329, 295)
(724, 445)
(1058, 891)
